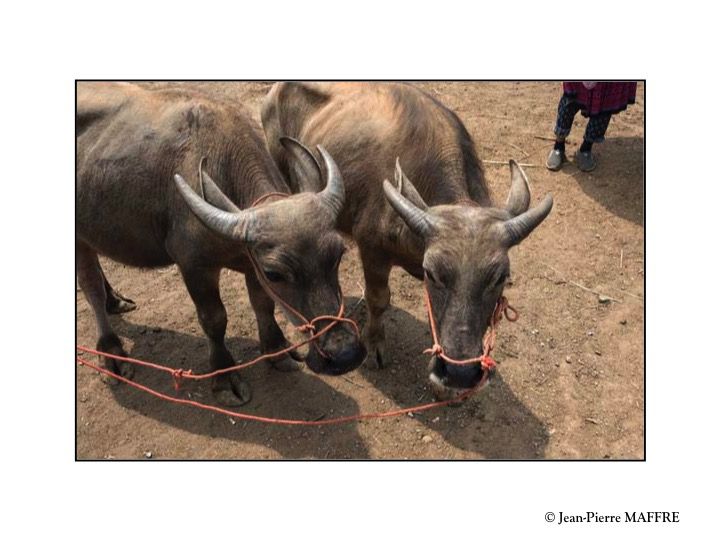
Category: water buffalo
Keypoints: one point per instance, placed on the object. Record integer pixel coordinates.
(441, 227)
(135, 148)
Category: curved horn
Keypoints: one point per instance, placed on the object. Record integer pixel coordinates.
(235, 226)
(406, 187)
(519, 227)
(518, 200)
(212, 193)
(334, 193)
(419, 221)
(308, 175)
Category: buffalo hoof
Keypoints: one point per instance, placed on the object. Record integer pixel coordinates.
(117, 303)
(127, 370)
(124, 369)
(375, 356)
(231, 391)
(120, 306)
(112, 345)
(287, 362)
(373, 338)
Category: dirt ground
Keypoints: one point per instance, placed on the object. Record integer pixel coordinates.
(570, 372)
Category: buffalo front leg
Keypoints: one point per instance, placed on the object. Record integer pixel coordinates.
(271, 336)
(92, 282)
(203, 285)
(377, 297)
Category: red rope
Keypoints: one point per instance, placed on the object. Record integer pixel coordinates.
(502, 308)
(178, 375)
(188, 374)
(255, 418)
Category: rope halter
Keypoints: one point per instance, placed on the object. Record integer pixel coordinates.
(502, 308)
(307, 326)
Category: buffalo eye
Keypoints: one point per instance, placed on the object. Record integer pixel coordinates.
(273, 276)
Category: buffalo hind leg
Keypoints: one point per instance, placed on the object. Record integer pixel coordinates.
(115, 302)
(377, 297)
(92, 282)
(271, 336)
(203, 285)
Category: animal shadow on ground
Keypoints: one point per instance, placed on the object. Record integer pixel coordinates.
(297, 395)
(618, 157)
(493, 423)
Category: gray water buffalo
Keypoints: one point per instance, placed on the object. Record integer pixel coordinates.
(441, 227)
(135, 149)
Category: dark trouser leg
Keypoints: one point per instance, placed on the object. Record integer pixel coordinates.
(596, 128)
(203, 286)
(92, 283)
(271, 336)
(567, 109)
(594, 132)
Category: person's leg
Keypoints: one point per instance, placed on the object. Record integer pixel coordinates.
(594, 133)
(567, 109)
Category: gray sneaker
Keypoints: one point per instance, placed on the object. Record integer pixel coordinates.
(585, 161)
(555, 160)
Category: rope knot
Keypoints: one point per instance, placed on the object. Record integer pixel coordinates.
(487, 362)
(435, 350)
(177, 375)
(307, 327)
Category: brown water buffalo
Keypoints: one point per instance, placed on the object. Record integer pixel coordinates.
(135, 147)
(441, 227)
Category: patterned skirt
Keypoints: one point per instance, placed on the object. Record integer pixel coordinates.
(604, 97)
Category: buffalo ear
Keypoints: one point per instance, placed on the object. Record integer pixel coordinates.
(406, 187)
(237, 226)
(305, 172)
(418, 220)
(210, 191)
(518, 200)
